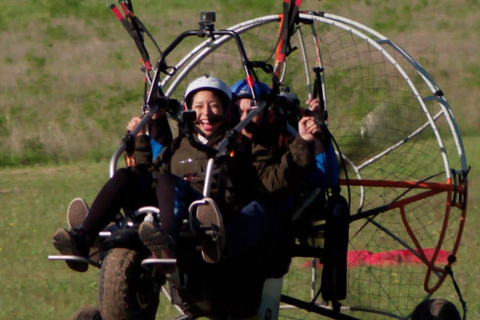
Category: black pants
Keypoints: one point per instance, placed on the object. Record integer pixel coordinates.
(129, 190)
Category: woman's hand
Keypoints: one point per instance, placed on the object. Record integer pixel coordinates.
(133, 123)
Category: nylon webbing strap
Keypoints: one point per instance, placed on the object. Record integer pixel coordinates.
(283, 38)
(290, 13)
(449, 271)
(317, 87)
(135, 28)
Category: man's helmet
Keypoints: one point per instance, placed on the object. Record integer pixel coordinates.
(241, 90)
(208, 83)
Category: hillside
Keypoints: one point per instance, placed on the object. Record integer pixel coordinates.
(69, 71)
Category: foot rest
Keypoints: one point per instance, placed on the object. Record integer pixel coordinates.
(74, 258)
(154, 262)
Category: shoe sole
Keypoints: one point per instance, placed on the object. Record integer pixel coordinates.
(76, 213)
(66, 246)
(208, 215)
(156, 242)
(152, 238)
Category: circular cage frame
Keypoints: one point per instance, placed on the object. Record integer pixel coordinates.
(455, 185)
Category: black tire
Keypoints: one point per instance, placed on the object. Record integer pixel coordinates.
(88, 313)
(436, 309)
(126, 290)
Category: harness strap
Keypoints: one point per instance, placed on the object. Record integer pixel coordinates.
(134, 28)
(284, 48)
(448, 269)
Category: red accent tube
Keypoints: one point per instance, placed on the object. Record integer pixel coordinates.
(125, 9)
(116, 12)
(148, 66)
(250, 81)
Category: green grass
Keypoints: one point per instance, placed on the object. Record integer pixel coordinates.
(56, 53)
(34, 199)
(69, 81)
(34, 202)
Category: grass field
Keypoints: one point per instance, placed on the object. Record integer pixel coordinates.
(33, 202)
(58, 126)
(56, 53)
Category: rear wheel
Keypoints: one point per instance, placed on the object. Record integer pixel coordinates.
(127, 291)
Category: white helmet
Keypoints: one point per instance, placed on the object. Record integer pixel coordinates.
(208, 83)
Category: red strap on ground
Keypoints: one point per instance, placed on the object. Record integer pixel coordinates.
(394, 257)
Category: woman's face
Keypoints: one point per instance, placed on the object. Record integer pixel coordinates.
(207, 104)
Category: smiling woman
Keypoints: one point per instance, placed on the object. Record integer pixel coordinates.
(209, 110)
(130, 190)
(209, 97)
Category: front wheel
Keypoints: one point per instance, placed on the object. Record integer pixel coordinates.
(127, 291)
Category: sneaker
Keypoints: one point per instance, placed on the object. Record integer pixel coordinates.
(76, 213)
(72, 244)
(159, 243)
(213, 231)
